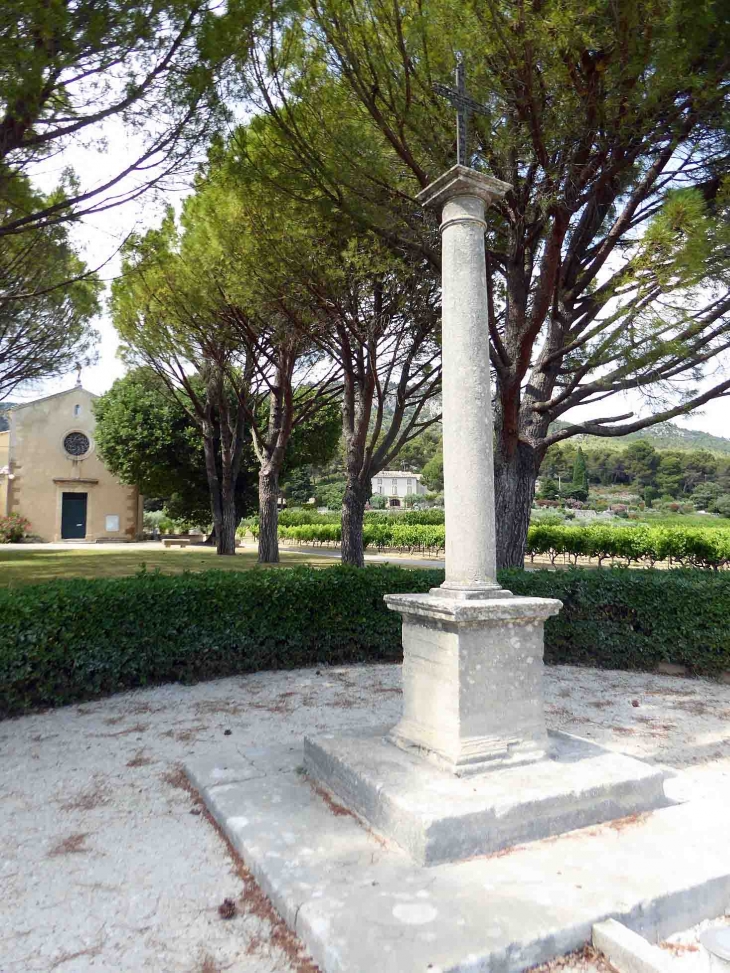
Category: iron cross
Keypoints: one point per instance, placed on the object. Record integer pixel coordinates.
(464, 105)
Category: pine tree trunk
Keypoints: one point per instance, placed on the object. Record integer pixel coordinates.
(514, 488)
(214, 488)
(353, 515)
(226, 538)
(268, 517)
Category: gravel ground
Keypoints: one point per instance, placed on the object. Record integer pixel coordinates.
(108, 864)
(687, 954)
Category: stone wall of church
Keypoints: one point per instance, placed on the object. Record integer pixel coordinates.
(49, 458)
(4, 467)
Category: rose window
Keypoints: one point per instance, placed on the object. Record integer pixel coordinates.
(76, 444)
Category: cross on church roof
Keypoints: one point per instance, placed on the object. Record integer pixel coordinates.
(464, 105)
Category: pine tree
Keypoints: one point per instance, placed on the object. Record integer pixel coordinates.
(299, 486)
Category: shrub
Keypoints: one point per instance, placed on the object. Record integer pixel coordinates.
(381, 532)
(421, 517)
(553, 517)
(13, 529)
(313, 533)
(705, 494)
(248, 525)
(66, 641)
(548, 489)
(152, 519)
(71, 640)
(699, 547)
(575, 493)
(298, 518)
(181, 525)
(623, 619)
(331, 496)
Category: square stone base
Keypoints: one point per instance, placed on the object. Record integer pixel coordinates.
(437, 817)
(362, 905)
(472, 680)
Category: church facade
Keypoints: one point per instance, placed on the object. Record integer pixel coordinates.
(51, 474)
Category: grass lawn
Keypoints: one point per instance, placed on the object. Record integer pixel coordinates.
(33, 566)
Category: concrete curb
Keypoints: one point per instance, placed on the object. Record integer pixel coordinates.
(627, 950)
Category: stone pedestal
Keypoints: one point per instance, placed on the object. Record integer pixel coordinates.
(439, 818)
(472, 680)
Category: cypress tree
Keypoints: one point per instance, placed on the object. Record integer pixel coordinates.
(580, 472)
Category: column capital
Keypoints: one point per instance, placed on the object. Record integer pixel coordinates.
(462, 181)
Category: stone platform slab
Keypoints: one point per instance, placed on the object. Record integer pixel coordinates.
(361, 905)
(437, 817)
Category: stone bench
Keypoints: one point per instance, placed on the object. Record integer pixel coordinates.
(176, 541)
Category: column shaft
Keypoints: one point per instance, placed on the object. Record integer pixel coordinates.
(467, 403)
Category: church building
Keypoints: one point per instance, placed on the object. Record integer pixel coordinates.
(51, 474)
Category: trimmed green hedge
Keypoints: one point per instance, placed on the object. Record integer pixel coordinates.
(67, 641)
(71, 640)
(624, 619)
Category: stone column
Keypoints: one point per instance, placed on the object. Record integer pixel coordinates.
(472, 667)
(462, 194)
(446, 782)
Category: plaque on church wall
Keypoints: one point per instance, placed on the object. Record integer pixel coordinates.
(112, 523)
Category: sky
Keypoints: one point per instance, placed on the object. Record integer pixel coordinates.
(98, 237)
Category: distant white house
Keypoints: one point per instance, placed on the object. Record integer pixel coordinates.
(395, 485)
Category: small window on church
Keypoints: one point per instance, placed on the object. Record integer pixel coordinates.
(77, 410)
(76, 444)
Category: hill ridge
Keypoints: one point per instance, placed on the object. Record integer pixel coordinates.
(665, 435)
